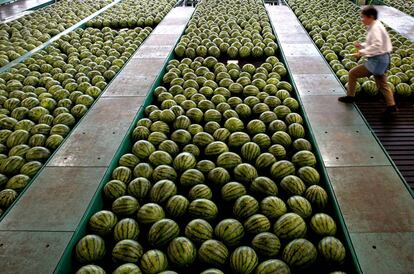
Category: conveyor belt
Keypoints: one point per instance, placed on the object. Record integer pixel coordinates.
(396, 134)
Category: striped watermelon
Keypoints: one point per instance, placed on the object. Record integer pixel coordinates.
(143, 149)
(323, 224)
(296, 131)
(250, 151)
(162, 190)
(273, 266)
(299, 253)
(205, 166)
(243, 260)
(177, 206)
(265, 186)
(127, 268)
(228, 160)
(102, 222)
(300, 206)
(281, 138)
(200, 191)
(293, 185)
(90, 268)
(212, 271)
(245, 206)
(257, 223)
(266, 244)
(237, 139)
(290, 226)
(216, 148)
(126, 229)
(114, 189)
(263, 140)
(213, 252)
(317, 196)
(150, 213)
(139, 188)
(221, 134)
(160, 157)
(278, 151)
(7, 197)
(90, 248)
(128, 251)
(153, 261)
(281, 169)
(162, 172)
(232, 191)
(122, 173)
(304, 158)
(18, 182)
(184, 161)
(309, 175)
(229, 231)
(181, 252)
(198, 231)
(125, 205)
(245, 173)
(332, 250)
(162, 232)
(273, 207)
(203, 208)
(170, 147)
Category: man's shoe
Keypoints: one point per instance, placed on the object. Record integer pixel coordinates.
(346, 99)
(390, 110)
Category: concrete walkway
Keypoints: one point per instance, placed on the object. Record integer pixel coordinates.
(377, 207)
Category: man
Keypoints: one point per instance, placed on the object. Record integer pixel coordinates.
(376, 48)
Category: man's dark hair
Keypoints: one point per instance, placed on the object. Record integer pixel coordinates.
(370, 12)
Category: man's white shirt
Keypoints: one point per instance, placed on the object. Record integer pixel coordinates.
(378, 41)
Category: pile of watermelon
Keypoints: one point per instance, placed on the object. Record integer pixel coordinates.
(220, 178)
(402, 5)
(335, 26)
(42, 99)
(228, 28)
(133, 13)
(26, 33)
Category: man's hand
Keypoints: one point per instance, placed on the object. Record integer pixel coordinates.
(358, 45)
(357, 54)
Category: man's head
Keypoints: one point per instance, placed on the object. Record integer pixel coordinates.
(369, 15)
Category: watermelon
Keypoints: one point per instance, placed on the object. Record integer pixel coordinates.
(200, 191)
(228, 160)
(126, 229)
(323, 224)
(18, 182)
(203, 208)
(243, 260)
(128, 251)
(290, 226)
(125, 205)
(232, 191)
(229, 231)
(114, 189)
(143, 170)
(191, 177)
(90, 248)
(273, 266)
(162, 232)
(90, 268)
(265, 186)
(273, 207)
(212, 271)
(309, 175)
(213, 252)
(266, 244)
(299, 254)
(161, 172)
(127, 268)
(250, 151)
(181, 252)
(122, 174)
(143, 149)
(153, 261)
(245, 173)
(293, 185)
(237, 139)
(198, 231)
(317, 196)
(257, 223)
(281, 169)
(245, 206)
(102, 222)
(281, 138)
(184, 161)
(304, 158)
(7, 197)
(299, 205)
(150, 213)
(177, 206)
(162, 191)
(139, 188)
(332, 250)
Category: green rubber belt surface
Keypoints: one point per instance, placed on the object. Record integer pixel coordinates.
(378, 209)
(36, 232)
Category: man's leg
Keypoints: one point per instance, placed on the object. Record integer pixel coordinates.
(381, 81)
(355, 73)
